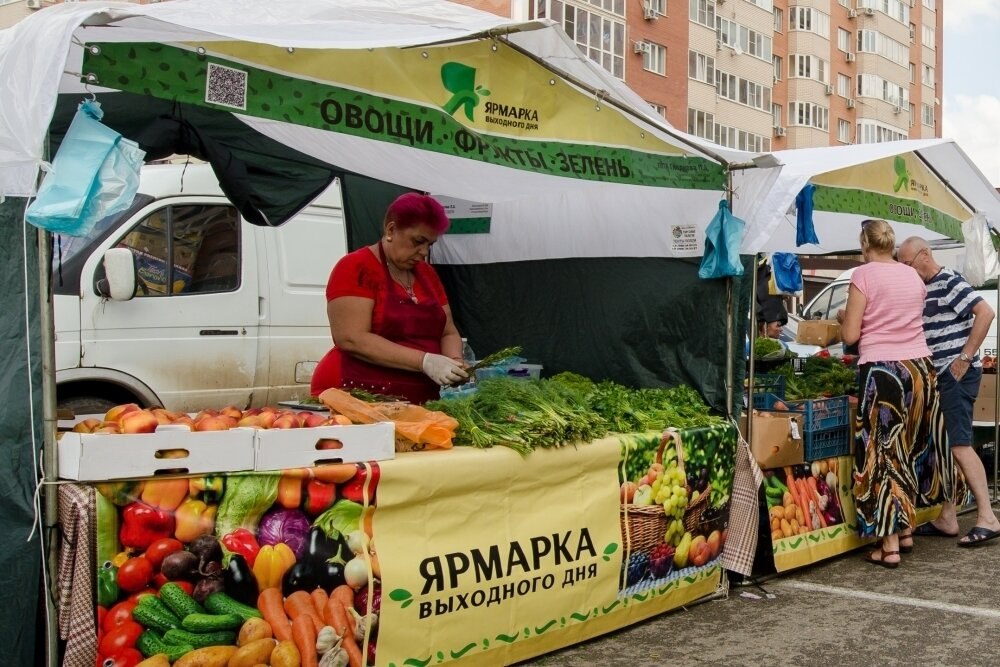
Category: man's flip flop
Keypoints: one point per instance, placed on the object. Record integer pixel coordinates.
(978, 535)
(930, 530)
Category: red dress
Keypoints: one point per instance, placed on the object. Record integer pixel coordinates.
(417, 325)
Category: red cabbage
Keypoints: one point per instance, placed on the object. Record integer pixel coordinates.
(288, 526)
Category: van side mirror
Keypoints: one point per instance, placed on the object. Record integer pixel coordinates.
(799, 309)
(119, 282)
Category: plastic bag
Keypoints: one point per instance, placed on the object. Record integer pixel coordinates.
(417, 428)
(95, 174)
(722, 245)
(786, 274)
(981, 262)
(805, 230)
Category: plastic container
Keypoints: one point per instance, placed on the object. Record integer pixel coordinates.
(525, 371)
(767, 384)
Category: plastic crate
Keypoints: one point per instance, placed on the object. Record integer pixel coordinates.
(767, 384)
(826, 431)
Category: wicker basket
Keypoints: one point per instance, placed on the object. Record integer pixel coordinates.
(643, 526)
(694, 512)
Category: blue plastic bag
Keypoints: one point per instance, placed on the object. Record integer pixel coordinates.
(722, 245)
(95, 174)
(787, 273)
(805, 229)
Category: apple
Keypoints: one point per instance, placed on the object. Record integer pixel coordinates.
(115, 413)
(314, 419)
(715, 542)
(286, 421)
(138, 421)
(86, 426)
(627, 492)
(232, 411)
(700, 551)
(212, 423)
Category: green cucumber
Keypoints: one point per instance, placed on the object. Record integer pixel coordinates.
(151, 643)
(211, 622)
(178, 601)
(220, 603)
(152, 613)
(199, 639)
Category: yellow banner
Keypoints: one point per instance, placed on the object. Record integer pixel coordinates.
(500, 92)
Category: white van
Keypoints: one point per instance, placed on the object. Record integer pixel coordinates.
(833, 297)
(238, 317)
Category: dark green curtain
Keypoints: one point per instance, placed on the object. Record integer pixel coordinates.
(20, 397)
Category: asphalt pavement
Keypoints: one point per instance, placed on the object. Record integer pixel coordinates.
(941, 606)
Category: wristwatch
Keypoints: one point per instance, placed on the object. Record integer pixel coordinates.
(965, 357)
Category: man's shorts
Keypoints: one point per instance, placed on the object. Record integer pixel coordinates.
(957, 398)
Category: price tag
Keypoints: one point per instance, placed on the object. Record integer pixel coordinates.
(795, 429)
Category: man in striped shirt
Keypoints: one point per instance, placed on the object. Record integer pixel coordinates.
(956, 321)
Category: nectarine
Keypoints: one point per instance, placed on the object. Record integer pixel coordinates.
(115, 413)
(138, 421)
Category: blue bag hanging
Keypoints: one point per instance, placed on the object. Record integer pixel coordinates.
(95, 174)
(787, 273)
(722, 245)
(805, 229)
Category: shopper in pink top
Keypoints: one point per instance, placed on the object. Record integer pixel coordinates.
(898, 415)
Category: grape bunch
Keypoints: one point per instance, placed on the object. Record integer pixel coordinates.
(672, 494)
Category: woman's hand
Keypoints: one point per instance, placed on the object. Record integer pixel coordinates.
(442, 370)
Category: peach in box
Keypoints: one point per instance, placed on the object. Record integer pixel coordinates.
(138, 421)
(115, 413)
(216, 423)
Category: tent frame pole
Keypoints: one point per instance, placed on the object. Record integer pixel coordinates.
(50, 457)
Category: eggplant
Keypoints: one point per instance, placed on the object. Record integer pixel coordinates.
(307, 575)
(321, 547)
(239, 581)
(330, 575)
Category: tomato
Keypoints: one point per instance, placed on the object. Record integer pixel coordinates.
(135, 597)
(134, 574)
(101, 614)
(127, 657)
(160, 549)
(118, 614)
(122, 637)
(159, 579)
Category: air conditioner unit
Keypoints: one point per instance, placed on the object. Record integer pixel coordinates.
(641, 47)
(852, 14)
(779, 131)
(718, 45)
(898, 110)
(851, 57)
(869, 11)
(829, 90)
(33, 4)
(850, 103)
(650, 14)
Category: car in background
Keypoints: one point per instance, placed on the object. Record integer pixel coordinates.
(833, 297)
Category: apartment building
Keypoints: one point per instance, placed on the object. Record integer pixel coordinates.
(766, 75)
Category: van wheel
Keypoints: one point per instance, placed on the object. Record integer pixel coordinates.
(86, 405)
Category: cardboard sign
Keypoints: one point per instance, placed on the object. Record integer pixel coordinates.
(818, 332)
(984, 409)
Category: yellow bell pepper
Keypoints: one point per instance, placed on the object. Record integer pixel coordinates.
(208, 488)
(194, 518)
(120, 558)
(165, 494)
(271, 564)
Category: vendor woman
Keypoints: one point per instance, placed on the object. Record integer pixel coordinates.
(392, 328)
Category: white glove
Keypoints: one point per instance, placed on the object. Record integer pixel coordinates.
(442, 370)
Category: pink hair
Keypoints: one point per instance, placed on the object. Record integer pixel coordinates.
(414, 208)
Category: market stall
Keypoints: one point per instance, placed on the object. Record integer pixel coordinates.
(464, 555)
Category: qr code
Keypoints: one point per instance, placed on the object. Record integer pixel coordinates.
(226, 86)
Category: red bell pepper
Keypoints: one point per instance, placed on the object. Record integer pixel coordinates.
(241, 541)
(142, 525)
(353, 489)
(319, 497)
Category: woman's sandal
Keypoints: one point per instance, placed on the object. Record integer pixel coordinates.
(906, 548)
(881, 562)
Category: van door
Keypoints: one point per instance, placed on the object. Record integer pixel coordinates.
(191, 331)
(294, 326)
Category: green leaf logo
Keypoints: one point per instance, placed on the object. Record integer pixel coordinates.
(609, 550)
(401, 595)
(460, 81)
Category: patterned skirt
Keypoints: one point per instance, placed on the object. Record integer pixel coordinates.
(901, 458)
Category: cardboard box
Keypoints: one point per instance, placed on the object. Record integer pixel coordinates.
(172, 449)
(984, 409)
(777, 439)
(279, 449)
(818, 332)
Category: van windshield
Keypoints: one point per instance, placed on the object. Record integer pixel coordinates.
(69, 253)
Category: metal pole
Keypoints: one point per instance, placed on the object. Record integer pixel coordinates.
(996, 409)
(50, 459)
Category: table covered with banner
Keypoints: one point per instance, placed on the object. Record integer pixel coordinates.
(460, 555)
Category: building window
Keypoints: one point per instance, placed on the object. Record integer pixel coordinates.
(872, 85)
(778, 64)
(913, 73)
(659, 109)
(732, 137)
(872, 41)
(845, 3)
(776, 111)
(810, 20)
(655, 58)
(658, 6)
(930, 4)
(701, 124)
(779, 20)
(927, 114)
(701, 67)
(766, 5)
(599, 33)
(809, 115)
(843, 85)
(843, 39)
(740, 37)
(703, 12)
(875, 132)
(928, 78)
(742, 91)
(929, 36)
(802, 66)
(844, 131)
(897, 9)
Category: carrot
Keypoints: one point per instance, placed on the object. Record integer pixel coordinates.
(338, 473)
(300, 603)
(790, 483)
(811, 483)
(304, 635)
(353, 652)
(269, 604)
(339, 618)
(803, 496)
(320, 598)
(345, 594)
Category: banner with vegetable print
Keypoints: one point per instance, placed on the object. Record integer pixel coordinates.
(238, 569)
